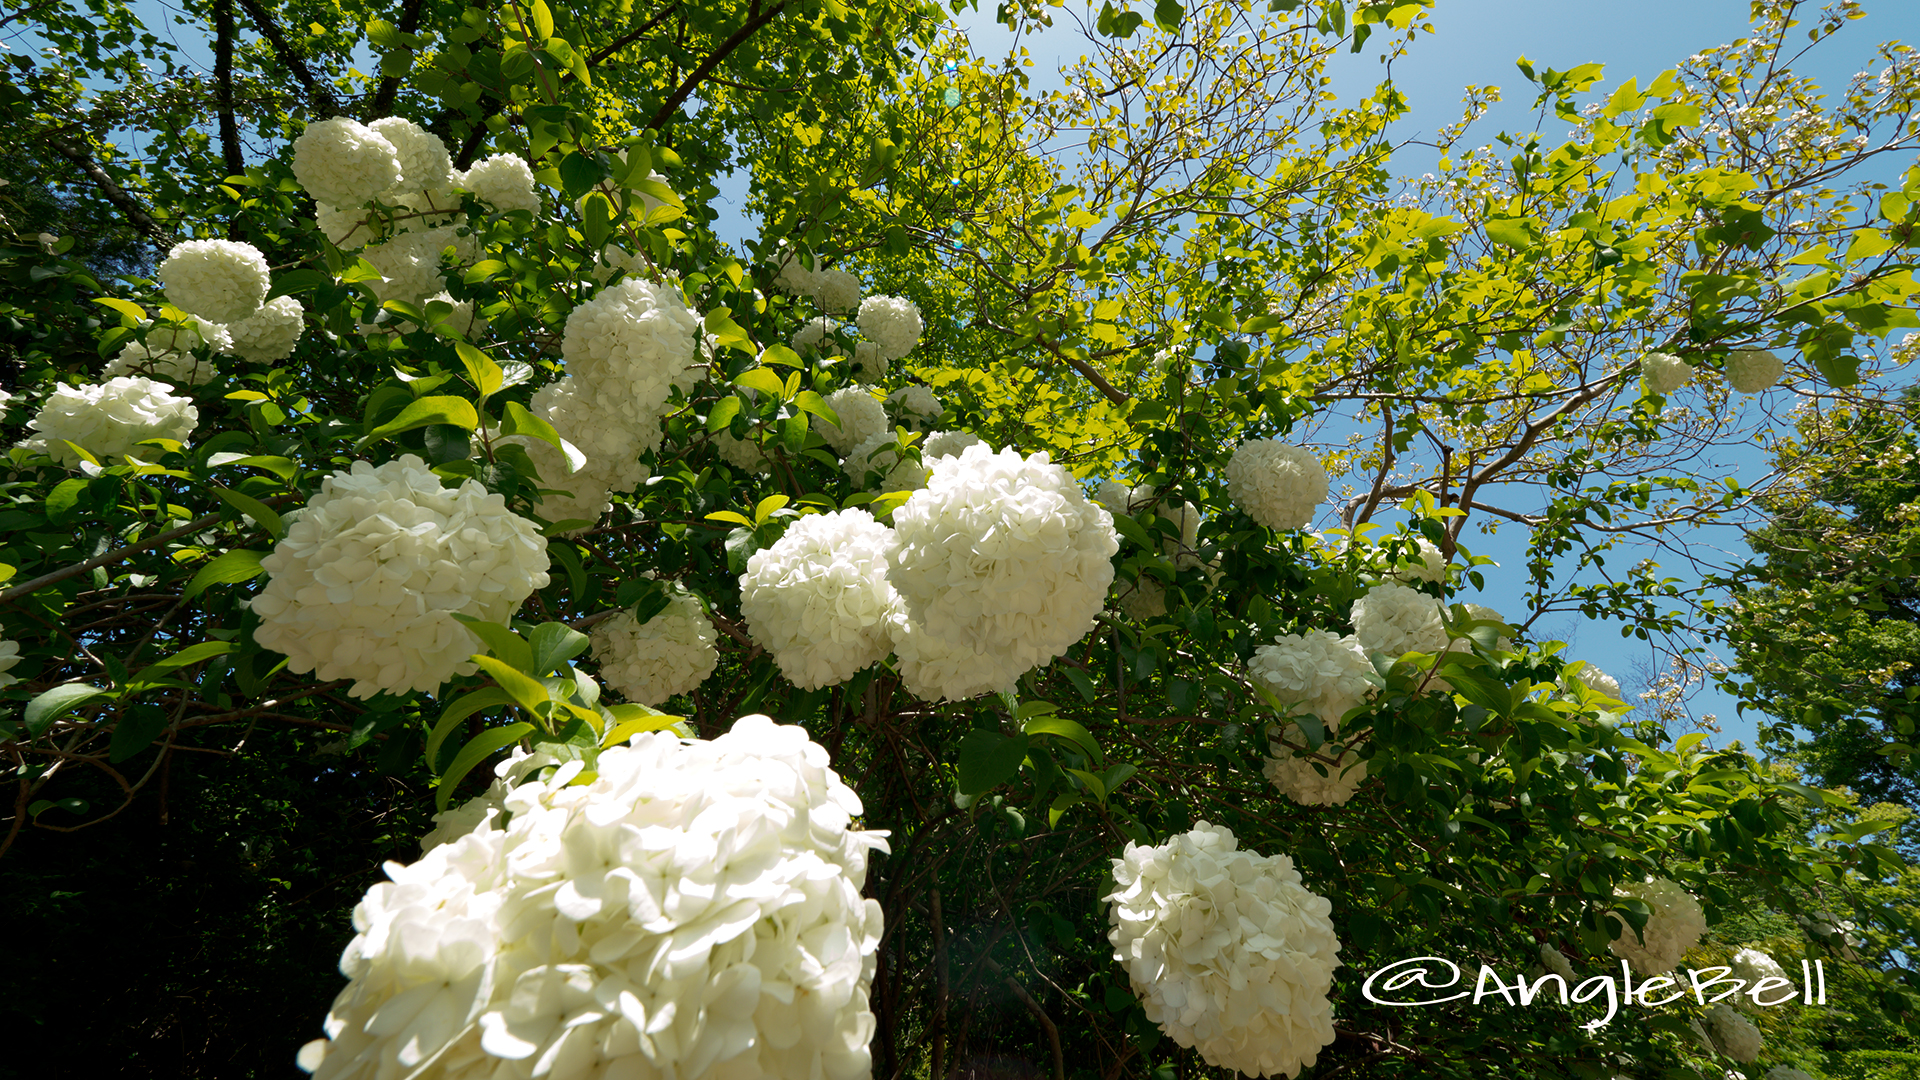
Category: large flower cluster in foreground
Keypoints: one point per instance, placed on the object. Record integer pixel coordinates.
(1733, 1035)
(1278, 485)
(819, 600)
(1674, 927)
(344, 163)
(1227, 951)
(1002, 556)
(221, 280)
(366, 582)
(694, 911)
(109, 419)
(668, 654)
(1397, 619)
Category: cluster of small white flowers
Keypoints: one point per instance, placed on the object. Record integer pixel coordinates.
(1664, 372)
(1753, 370)
(1397, 619)
(366, 582)
(669, 654)
(1734, 1035)
(504, 182)
(632, 342)
(1278, 485)
(611, 441)
(819, 599)
(878, 456)
(343, 163)
(1227, 950)
(934, 669)
(914, 407)
(178, 368)
(815, 337)
(741, 453)
(1674, 927)
(835, 290)
(1318, 672)
(109, 419)
(1003, 556)
(9, 656)
(591, 929)
(1298, 774)
(793, 277)
(423, 159)
(220, 280)
(860, 414)
(409, 262)
(868, 363)
(892, 323)
(270, 333)
(1751, 965)
(1426, 563)
(570, 494)
(1556, 961)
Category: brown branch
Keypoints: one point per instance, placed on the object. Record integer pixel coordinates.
(115, 194)
(664, 114)
(389, 86)
(1039, 1014)
(632, 36)
(230, 156)
(319, 93)
(118, 554)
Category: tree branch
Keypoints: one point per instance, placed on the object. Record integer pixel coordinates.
(230, 156)
(632, 36)
(389, 86)
(137, 215)
(319, 93)
(664, 114)
(118, 554)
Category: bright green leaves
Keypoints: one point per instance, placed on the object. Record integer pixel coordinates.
(438, 409)
(989, 759)
(1168, 15)
(1119, 24)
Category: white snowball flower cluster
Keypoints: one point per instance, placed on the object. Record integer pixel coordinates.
(1675, 926)
(1426, 563)
(270, 333)
(934, 669)
(1299, 774)
(815, 337)
(631, 342)
(221, 280)
(819, 599)
(1733, 1035)
(343, 163)
(669, 654)
(109, 419)
(1665, 372)
(409, 262)
(1751, 965)
(612, 441)
(876, 455)
(1003, 556)
(1398, 619)
(1318, 672)
(178, 368)
(741, 453)
(366, 582)
(570, 494)
(9, 656)
(187, 335)
(891, 322)
(914, 407)
(860, 414)
(1753, 370)
(835, 290)
(868, 363)
(424, 162)
(1556, 962)
(1227, 950)
(694, 911)
(793, 277)
(1277, 484)
(504, 182)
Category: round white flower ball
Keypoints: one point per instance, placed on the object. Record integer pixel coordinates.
(409, 262)
(891, 322)
(504, 182)
(270, 333)
(793, 277)
(868, 363)
(1424, 564)
(819, 599)
(877, 456)
(611, 440)
(187, 335)
(836, 290)
(344, 229)
(669, 654)
(1318, 672)
(1664, 372)
(933, 669)
(914, 407)
(1674, 927)
(815, 336)
(567, 494)
(1753, 370)
(1751, 965)
(1325, 777)
(109, 419)
(1001, 554)
(178, 368)
(860, 414)
(343, 163)
(1556, 962)
(366, 582)
(424, 163)
(1227, 950)
(630, 344)
(1278, 485)
(9, 656)
(1398, 619)
(220, 280)
(741, 453)
(1599, 681)
(1734, 1035)
(546, 938)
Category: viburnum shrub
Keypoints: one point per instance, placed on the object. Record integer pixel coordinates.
(1107, 554)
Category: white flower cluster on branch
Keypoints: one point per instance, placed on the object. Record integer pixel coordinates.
(669, 654)
(1278, 485)
(1753, 370)
(366, 582)
(892, 324)
(504, 182)
(1664, 372)
(1396, 619)
(1227, 950)
(897, 473)
(1328, 776)
(343, 163)
(109, 419)
(270, 333)
(1751, 965)
(819, 599)
(860, 414)
(220, 280)
(1733, 1035)
(694, 911)
(1674, 927)
(914, 407)
(1318, 672)
(168, 354)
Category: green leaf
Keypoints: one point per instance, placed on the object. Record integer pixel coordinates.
(631, 720)
(131, 314)
(440, 409)
(761, 380)
(71, 806)
(229, 567)
(579, 173)
(505, 644)
(596, 219)
(1061, 727)
(459, 709)
(723, 412)
(516, 419)
(192, 654)
(542, 19)
(63, 502)
(481, 369)
(1517, 233)
(780, 354)
(51, 705)
(989, 759)
(808, 401)
(527, 691)
(284, 468)
(481, 748)
(764, 509)
(262, 514)
(139, 725)
(554, 644)
(1134, 531)
(1168, 15)
(1120, 24)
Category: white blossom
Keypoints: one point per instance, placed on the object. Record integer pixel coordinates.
(891, 322)
(1556, 962)
(1003, 556)
(109, 419)
(1318, 672)
(462, 321)
(366, 582)
(1750, 965)
(9, 656)
(1425, 563)
(1665, 372)
(897, 473)
(1674, 927)
(1397, 619)
(343, 163)
(835, 290)
(346, 229)
(860, 414)
(741, 453)
(270, 333)
(178, 368)
(409, 262)
(568, 493)
(914, 407)
(815, 336)
(693, 911)
(1734, 1035)
(424, 164)
(222, 281)
(611, 440)
(1327, 776)
(933, 669)
(504, 182)
(1227, 950)
(1598, 681)
(792, 276)
(669, 654)
(819, 599)
(868, 361)
(1278, 485)
(630, 344)
(1753, 370)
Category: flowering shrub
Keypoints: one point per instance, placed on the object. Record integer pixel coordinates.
(1318, 672)
(861, 417)
(1751, 965)
(268, 334)
(1328, 776)
(1396, 619)
(220, 280)
(342, 163)
(595, 925)
(1276, 484)
(371, 572)
(110, 419)
(1674, 927)
(1733, 1035)
(668, 654)
(892, 323)
(914, 407)
(1665, 372)
(1753, 370)
(819, 599)
(503, 182)
(1226, 949)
